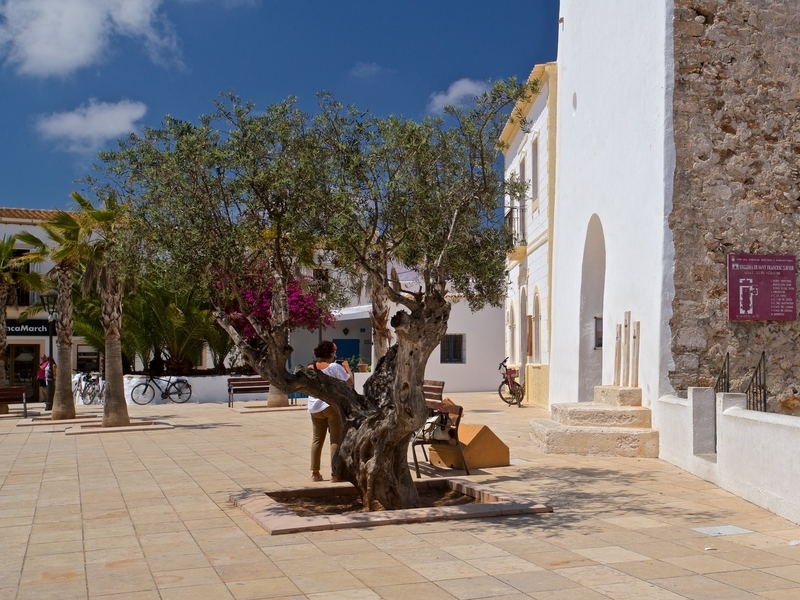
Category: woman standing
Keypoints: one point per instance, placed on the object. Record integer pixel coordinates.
(41, 377)
(325, 418)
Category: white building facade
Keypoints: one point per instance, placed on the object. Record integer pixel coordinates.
(670, 155)
(28, 340)
(615, 163)
(530, 157)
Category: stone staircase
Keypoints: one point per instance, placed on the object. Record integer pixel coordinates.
(615, 424)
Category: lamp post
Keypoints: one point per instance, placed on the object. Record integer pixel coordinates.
(48, 300)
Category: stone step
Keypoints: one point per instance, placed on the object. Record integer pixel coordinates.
(601, 415)
(616, 395)
(554, 438)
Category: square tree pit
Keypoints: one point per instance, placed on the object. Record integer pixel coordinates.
(266, 510)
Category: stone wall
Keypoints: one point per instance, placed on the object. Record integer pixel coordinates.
(737, 183)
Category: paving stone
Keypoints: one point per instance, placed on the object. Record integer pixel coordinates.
(148, 516)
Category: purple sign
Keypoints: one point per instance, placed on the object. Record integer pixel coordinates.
(762, 287)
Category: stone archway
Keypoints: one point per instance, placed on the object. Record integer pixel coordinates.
(593, 278)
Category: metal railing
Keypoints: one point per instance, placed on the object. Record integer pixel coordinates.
(723, 383)
(515, 223)
(756, 389)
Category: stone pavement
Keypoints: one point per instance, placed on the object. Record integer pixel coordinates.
(137, 516)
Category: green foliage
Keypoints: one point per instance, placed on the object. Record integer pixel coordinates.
(217, 200)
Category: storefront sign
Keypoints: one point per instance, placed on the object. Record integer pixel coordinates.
(762, 287)
(30, 328)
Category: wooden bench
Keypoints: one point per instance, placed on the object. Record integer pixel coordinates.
(246, 385)
(447, 434)
(16, 394)
(433, 389)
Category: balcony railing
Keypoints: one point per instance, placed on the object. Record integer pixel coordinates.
(515, 224)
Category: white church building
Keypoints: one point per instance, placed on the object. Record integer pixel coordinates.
(676, 156)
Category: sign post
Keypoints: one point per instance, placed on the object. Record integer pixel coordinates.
(762, 287)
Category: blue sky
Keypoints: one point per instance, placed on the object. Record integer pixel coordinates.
(77, 75)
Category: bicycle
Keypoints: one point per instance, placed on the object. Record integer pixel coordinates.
(89, 388)
(178, 391)
(511, 392)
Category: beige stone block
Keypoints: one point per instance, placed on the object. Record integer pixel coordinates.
(553, 438)
(601, 415)
(537, 385)
(615, 395)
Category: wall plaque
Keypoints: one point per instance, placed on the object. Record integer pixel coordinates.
(762, 287)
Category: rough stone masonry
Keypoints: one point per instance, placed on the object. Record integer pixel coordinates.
(737, 183)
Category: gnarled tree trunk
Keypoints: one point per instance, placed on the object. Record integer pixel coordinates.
(373, 453)
(379, 316)
(377, 426)
(64, 401)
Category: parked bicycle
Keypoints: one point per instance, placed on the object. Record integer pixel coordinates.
(511, 392)
(89, 388)
(178, 391)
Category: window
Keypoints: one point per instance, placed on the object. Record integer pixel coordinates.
(454, 348)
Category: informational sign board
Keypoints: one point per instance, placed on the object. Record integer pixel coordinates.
(762, 287)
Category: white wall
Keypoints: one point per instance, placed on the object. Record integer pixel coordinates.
(484, 337)
(614, 159)
(754, 458)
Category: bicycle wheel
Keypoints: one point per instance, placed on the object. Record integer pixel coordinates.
(179, 392)
(519, 392)
(90, 393)
(505, 394)
(143, 393)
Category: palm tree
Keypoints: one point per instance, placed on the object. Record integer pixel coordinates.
(98, 233)
(64, 235)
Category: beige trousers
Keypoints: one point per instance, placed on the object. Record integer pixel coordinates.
(322, 422)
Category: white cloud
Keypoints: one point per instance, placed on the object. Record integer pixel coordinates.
(88, 127)
(362, 70)
(458, 91)
(56, 37)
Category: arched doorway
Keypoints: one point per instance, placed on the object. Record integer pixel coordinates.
(593, 279)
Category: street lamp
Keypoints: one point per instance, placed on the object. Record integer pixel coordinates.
(48, 300)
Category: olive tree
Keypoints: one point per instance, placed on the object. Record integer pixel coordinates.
(344, 190)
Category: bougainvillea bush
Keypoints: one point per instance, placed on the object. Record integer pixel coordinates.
(306, 305)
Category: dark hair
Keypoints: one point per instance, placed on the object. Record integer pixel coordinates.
(325, 350)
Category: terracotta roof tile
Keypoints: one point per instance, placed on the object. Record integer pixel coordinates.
(32, 214)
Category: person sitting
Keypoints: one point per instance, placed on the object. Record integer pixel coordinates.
(325, 418)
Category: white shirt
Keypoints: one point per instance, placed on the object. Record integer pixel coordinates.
(315, 405)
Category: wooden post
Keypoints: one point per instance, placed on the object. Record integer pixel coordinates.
(626, 350)
(618, 355)
(635, 357)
